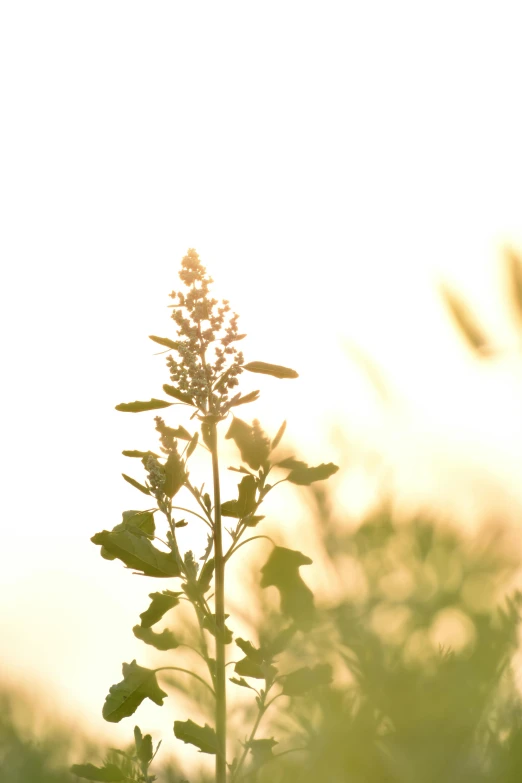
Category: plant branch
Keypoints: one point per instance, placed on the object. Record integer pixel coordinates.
(189, 511)
(187, 671)
(234, 548)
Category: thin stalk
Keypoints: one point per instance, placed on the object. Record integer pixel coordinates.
(262, 710)
(186, 671)
(246, 541)
(219, 574)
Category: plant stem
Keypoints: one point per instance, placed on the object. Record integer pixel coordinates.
(262, 709)
(219, 572)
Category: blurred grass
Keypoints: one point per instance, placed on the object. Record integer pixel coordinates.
(421, 641)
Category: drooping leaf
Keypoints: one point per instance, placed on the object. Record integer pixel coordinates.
(209, 622)
(160, 605)
(138, 553)
(144, 749)
(136, 484)
(278, 437)
(242, 400)
(192, 445)
(138, 406)
(303, 680)
(126, 696)
(161, 641)
(205, 576)
(467, 323)
(282, 571)
(164, 341)
(175, 475)
(206, 434)
(109, 773)
(306, 476)
(246, 501)
(514, 269)
(261, 750)
(177, 394)
(276, 370)
(251, 441)
(203, 737)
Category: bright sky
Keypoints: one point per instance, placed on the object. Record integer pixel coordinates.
(331, 163)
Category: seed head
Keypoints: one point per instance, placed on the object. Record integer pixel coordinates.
(208, 363)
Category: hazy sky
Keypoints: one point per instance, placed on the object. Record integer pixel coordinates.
(331, 163)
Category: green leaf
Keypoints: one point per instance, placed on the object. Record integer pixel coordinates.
(303, 680)
(140, 406)
(282, 571)
(177, 394)
(282, 640)
(160, 605)
(254, 664)
(175, 475)
(467, 323)
(164, 341)
(144, 750)
(276, 370)
(248, 668)
(246, 502)
(251, 441)
(205, 432)
(261, 750)
(181, 432)
(253, 521)
(126, 696)
(140, 454)
(291, 463)
(242, 400)
(138, 553)
(242, 682)
(136, 484)
(192, 445)
(205, 576)
(161, 641)
(306, 476)
(203, 737)
(141, 523)
(278, 437)
(250, 651)
(209, 622)
(109, 773)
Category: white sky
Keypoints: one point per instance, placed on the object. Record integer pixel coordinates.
(330, 162)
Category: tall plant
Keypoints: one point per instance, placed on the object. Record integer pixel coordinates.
(205, 366)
